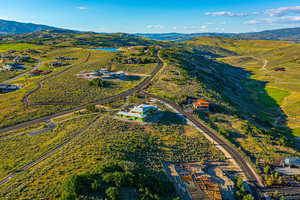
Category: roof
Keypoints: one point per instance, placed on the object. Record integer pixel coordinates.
(138, 111)
(292, 161)
(201, 101)
(143, 108)
(131, 114)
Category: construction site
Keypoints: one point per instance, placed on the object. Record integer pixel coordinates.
(198, 181)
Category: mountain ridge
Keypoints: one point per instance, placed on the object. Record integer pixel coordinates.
(286, 34)
(8, 27)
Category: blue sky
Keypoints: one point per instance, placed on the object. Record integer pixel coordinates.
(156, 16)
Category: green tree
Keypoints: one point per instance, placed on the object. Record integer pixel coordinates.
(91, 108)
(97, 82)
(68, 196)
(112, 193)
(76, 184)
(267, 169)
(96, 185)
(248, 197)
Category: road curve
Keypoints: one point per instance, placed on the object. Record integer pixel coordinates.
(46, 155)
(40, 83)
(145, 83)
(250, 174)
(21, 75)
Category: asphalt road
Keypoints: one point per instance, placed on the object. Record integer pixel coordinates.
(46, 155)
(235, 155)
(249, 173)
(40, 83)
(123, 95)
(50, 125)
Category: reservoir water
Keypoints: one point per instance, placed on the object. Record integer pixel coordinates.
(107, 49)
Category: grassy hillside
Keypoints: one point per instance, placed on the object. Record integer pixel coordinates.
(244, 110)
(109, 139)
(71, 39)
(17, 47)
(261, 59)
(12, 27)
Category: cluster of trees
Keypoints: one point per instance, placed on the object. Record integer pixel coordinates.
(272, 178)
(241, 192)
(280, 136)
(98, 82)
(109, 179)
(132, 59)
(110, 40)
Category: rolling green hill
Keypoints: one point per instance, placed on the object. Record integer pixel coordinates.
(68, 38)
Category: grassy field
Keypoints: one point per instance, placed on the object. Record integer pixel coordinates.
(67, 87)
(112, 140)
(243, 109)
(261, 58)
(7, 75)
(17, 46)
(296, 132)
(19, 148)
(277, 94)
(11, 105)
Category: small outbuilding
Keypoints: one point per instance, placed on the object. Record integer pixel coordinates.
(201, 105)
(291, 162)
(8, 88)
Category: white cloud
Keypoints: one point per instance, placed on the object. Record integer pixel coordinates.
(202, 28)
(283, 11)
(155, 26)
(231, 14)
(283, 19)
(82, 8)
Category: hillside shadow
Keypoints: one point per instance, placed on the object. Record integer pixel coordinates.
(167, 118)
(132, 78)
(247, 97)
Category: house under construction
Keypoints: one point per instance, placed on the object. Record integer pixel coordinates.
(192, 182)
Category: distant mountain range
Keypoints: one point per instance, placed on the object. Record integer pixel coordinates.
(180, 36)
(12, 27)
(289, 34)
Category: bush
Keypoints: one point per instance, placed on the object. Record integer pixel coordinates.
(91, 108)
(112, 193)
(68, 196)
(97, 82)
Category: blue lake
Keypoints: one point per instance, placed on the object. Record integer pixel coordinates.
(107, 49)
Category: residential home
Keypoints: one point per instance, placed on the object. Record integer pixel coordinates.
(7, 88)
(12, 66)
(66, 58)
(139, 113)
(58, 64)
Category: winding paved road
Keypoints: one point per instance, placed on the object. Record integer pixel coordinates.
(123, 95)
(40, 84)
(250, 174)
(46, 155)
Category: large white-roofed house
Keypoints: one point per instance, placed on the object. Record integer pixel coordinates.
(139, 113)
